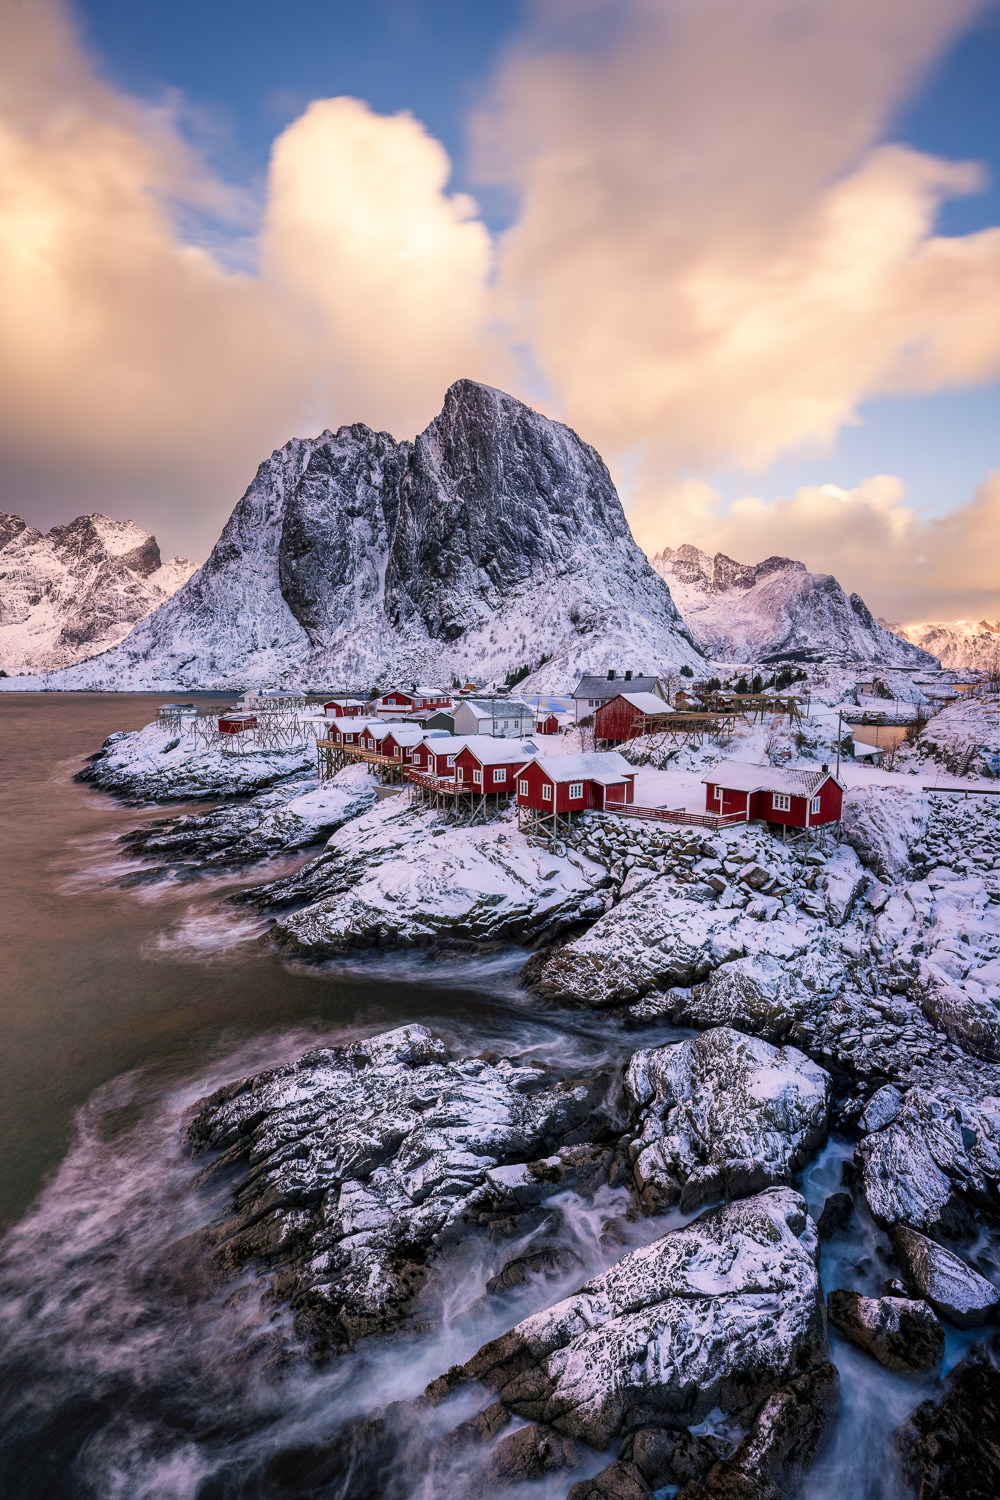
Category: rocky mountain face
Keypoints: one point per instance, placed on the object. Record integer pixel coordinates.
(965, 645)
(493, 540)
(77, 590)
(776, 611)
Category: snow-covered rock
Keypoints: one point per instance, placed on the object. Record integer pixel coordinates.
(884, 825)
(77, 590)
(358, 1164)
(150, 765)
(962, 645)
(776, 611)
(717, 1314)
(722, 1116)
(492, 540)
(284, 818)
(962, 739)
(902, 1333)
(401, 876)
(951, 1287)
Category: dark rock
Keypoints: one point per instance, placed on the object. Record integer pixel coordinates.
(952, 1288)
(551, 1262)
(950, 1445)
(619, 1481)
(666, 1456)
(532, 1452)
(903, 1335)
(837, 1216)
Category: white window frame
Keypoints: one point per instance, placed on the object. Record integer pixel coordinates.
(450, 761)
(575, 790)
(398, 753)
(594, 702)
(522, 788)
(546, 791)
(477, 776)
(499, 773)
(781, 801)
(719, 794)
(459, 773)
(816, 805)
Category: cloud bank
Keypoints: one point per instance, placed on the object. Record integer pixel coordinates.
(714, 256)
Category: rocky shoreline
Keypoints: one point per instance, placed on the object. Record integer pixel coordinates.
(854, 990)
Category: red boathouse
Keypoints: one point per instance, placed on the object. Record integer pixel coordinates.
(562, 784)
(795, 798)
(237, 723)
(629, 714)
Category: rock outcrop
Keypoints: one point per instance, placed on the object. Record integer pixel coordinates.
(952, 1288)
(494, 540)
(777, 612)
(902, 1333)
(950, 1445)
(719, 1313)
(78, 590)
(357, 1165)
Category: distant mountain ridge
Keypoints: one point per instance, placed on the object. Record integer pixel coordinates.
(78, 589)
(963, 645)
(776, 611)
(495, 539)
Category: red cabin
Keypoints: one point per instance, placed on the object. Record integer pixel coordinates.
(348, 731)
(344, 708)
(372, 735)
(436, 756)
(796, 798)
(629, 714)
(548, 725)
(574, 783)
(237, 723)
(421, 697)
(492, 766)
(400, 742)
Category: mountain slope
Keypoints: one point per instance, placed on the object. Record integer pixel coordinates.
(77, 590)
(776, 611)
(964, 645)
(493, 539)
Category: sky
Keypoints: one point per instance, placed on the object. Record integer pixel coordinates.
(751, 252)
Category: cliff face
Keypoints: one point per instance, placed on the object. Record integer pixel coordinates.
(777, 611)
(79, 589)
(496, 538)
(965, 645)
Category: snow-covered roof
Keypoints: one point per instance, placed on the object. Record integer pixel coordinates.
(592, 765)
(496, 708)
(355, 726)
(610, 687)
(406, 734)
(647, 703)
(737, 776)
(347, 702)
(493, 752)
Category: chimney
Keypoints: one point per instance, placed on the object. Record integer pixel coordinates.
(824, 766)
(628, 676)
(611, 676)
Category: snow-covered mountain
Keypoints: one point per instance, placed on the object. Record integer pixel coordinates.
(776, 611)
(964, 645)
(492, 540)
(78, 589)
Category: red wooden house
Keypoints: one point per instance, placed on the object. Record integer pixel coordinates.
(547, 725)
(373, 734)
(400, 742)
(491, 765)
(436, 754)
(629, 714)
(237, 723)
(344, 708)
(420, 697)
(775, 794)
(574, 783)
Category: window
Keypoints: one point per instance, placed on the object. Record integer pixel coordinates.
(349, 738)
(450, 761)
(718, 794)
(460, 774)
(781, 801)
(546, 792)
(499, 774)
(575, 789)
(815, 804)
(477, 777)
(398, 753)
(594, 702)
(522, 787)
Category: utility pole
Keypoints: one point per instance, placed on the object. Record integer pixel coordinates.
(840, 716)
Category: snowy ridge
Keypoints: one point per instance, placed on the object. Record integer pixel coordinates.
(77, 590)
(777, 611)
(494, 539)
(964, 645)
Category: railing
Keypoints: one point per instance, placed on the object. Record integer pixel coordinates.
(676, 815)
(433, 783)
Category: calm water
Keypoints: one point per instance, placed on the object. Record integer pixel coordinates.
(121, 1376)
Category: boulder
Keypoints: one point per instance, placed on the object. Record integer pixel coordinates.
(792, 1427)
(531, 1452)
(842, 881)
(722, 1116)
(359, 1164)
(884, 825)
(719, 1313)
(837, 1216)
(902, 1334)
(972, 1020)
(949, 1446)
(952, 1288)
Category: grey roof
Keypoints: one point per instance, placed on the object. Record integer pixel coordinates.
(603, 687)
(738, 776)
